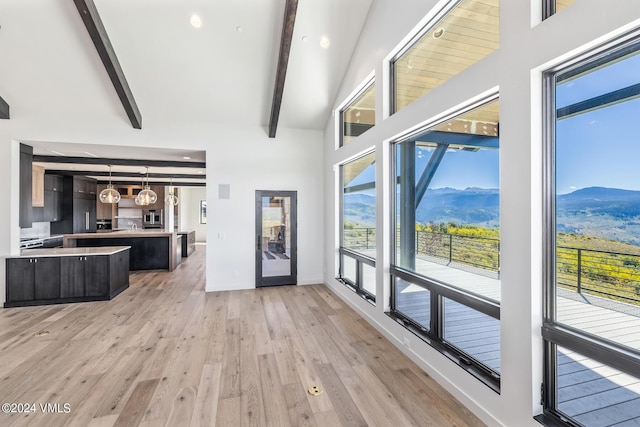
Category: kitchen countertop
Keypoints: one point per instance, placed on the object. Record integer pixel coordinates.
(121, 233)
(58, 252)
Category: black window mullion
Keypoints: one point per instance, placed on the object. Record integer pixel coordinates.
(437, 316)
(617, 356)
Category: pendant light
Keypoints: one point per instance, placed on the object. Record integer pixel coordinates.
(138, 200)
(171, 199)
(147, 196)
(109, 194)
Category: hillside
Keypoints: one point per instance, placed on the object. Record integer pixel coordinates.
(607, 213)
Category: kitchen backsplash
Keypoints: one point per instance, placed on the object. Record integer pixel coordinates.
(38, 229)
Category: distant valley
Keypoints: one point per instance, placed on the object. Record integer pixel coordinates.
(608, 213)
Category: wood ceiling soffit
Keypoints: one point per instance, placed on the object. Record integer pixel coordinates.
(93, 23)
(118, 162)
(4, 109)
(283, 61)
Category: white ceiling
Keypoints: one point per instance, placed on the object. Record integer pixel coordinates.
(223, 72)
(218, 73)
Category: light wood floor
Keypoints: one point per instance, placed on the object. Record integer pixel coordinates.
(165, 353)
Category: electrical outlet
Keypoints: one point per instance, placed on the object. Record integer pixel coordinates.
(406, 342)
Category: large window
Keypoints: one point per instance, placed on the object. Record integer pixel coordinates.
(359, 115)
(358, 225)
(592, 320)
(446, 264)
(551, 7)
(462, 34)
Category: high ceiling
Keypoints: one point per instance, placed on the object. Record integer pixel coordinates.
(223, 72)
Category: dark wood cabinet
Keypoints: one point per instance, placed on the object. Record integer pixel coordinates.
(96, 275)
(26, 189)
(84, 276)
(52, 210)
(62, 279)
(47, 278)
(72, 276)
(52, 206)
(78, 207)
(84, 187)
(53, 183)
(84, 215)
(33, 278)
(20, 279)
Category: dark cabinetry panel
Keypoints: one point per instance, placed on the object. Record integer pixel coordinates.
(26, 190)
(53, 183)
(50, 280)
(96, 276)
(33, 278)
(72, 276)
(78, 208)
(47, 278)
(20, 279)
(84, 276)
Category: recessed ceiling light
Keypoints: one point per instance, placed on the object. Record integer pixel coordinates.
(196, 21)
(186, 157)
(239, 29)
(325, 42)
(305, 38)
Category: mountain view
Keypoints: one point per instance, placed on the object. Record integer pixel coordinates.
(608, 213)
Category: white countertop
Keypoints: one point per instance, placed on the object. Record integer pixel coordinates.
(58, 252)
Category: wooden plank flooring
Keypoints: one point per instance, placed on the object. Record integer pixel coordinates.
(164, 352)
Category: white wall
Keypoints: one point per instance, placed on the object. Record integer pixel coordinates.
(244, 157)
(189, 205)
(527, 47)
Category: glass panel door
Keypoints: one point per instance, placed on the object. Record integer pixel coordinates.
(276, 238)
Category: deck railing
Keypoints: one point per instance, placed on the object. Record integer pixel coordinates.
(612, 275)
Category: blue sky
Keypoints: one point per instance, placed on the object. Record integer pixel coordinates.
(601, 147)
(458, 169)
(598, 148)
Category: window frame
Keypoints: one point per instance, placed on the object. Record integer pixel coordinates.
(359, 258)
(367, 84)
(434, 335)
(430, 24)
(555, 333)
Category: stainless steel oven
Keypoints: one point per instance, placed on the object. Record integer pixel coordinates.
(152, 218)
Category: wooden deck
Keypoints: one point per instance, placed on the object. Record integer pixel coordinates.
(588, 391)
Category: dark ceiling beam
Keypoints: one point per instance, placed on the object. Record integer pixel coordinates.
(118, 162)
(163, 183)
(4, 109)
(283, 60)
(127, 174)
(92, 21)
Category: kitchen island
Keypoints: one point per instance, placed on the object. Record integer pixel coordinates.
(150, 249)
(65, 275)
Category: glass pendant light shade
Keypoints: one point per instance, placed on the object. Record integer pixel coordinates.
(171, 198)
(109, 194)
(147, 196)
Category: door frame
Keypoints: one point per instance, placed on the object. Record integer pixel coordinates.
(292, 279)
